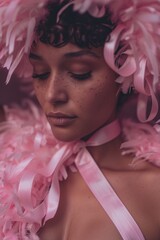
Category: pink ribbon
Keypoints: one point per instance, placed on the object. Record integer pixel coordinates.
(133, 53)
(67, 155)
(145, 88)
(102, 190)
(110, 48)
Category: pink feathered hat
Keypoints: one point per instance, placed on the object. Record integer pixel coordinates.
(137, 31)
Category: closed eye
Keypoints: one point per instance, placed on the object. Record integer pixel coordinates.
(83, 76)
(42, 76)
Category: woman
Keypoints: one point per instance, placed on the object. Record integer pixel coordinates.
(77, 67)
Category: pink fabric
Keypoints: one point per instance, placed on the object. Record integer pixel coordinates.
(29, 178)
(137, 61)
(48, 207)
(102, 190)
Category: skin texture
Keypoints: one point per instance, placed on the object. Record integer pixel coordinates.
(93, 96)
(93, 103)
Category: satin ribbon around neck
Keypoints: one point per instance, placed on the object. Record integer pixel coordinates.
(75, 154)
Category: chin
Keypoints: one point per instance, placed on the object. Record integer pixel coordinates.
(64, 139)
(64, 136)
(70, 134)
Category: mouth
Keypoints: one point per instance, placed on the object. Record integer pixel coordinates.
(60, 119)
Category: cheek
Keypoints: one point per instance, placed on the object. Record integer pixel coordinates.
(39, 92)
(105, 90)
(90, 98)
(98, 97)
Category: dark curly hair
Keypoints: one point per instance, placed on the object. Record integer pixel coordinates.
(83, 30)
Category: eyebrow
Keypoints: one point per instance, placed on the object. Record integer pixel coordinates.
(67, 55)
(80, 54)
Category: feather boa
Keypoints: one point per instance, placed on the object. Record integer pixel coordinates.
(29, 167)
(142, 141)
(27, 146)
(16, 34)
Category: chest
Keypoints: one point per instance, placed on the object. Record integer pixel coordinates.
(80, 215)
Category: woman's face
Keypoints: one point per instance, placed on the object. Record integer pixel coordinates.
(75, 88)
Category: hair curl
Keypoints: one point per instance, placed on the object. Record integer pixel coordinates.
(83, 30)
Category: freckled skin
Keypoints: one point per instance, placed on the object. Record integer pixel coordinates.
(92, 100)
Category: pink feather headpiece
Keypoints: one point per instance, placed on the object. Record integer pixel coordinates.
(133, 50)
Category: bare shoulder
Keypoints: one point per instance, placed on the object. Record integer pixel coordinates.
(152, 174)
(151, 179)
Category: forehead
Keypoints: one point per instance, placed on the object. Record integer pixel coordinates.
(40, 51)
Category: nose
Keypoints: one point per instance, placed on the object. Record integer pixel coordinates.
(57, 90)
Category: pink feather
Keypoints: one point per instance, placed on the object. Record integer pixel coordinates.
(27, 152)
(18, 32)
(142, 141)
(27, 144)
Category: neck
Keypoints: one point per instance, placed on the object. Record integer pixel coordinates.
(104, 145)
(107, 155)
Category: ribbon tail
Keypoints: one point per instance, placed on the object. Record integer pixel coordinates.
(106, 196)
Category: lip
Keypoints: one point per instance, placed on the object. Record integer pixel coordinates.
(60, 119)
(60, 115)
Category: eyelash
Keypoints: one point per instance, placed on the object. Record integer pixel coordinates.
(80, 77)
(42, 76)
